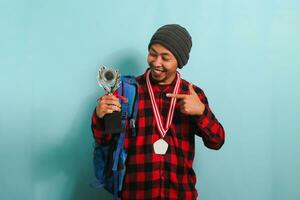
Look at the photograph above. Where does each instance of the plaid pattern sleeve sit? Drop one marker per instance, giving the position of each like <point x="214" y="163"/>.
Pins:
<point x="208" y="127"/>
<point x="97" y="129"/>
<point x="169" y="176"/>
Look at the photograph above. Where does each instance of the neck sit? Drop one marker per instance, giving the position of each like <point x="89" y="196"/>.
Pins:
<point x="164" y="82"/>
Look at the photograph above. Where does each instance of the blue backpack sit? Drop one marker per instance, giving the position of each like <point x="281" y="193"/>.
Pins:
<point x="109" y="160"/>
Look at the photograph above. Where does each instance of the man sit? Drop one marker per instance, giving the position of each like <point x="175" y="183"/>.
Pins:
<point x="171" y="112"/>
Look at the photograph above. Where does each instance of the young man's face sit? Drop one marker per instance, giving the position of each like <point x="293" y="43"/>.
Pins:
<point x="162" y="63"/>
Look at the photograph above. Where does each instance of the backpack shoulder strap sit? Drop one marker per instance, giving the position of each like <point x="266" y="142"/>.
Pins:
<point x="129" y="89"/>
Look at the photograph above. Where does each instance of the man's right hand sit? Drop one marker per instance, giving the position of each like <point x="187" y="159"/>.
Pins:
<point x="107" y="104"/>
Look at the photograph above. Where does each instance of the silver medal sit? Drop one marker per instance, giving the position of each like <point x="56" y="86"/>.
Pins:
<point x="160" y="147"/>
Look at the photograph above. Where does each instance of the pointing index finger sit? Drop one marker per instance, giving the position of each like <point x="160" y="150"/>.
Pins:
<point x="177" y="96"/>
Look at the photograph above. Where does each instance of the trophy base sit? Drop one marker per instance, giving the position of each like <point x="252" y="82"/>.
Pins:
<point x="113" y="123"/>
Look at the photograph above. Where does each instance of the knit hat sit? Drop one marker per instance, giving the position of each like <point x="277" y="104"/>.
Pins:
<point x="176" y="39"/>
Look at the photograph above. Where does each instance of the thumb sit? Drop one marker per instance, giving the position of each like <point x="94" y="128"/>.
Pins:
<point x="191" y="89"/>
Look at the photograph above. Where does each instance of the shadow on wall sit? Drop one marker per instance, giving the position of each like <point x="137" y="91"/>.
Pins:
<point x="72" y="156"/>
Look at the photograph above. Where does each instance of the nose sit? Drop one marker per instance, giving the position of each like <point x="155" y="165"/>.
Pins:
<point x="157" y="61"/>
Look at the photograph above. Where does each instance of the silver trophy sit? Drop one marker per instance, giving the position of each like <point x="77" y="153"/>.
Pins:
<point x="109" y="79"/>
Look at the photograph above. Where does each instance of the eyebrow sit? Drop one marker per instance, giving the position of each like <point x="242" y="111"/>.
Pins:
<point x="163" y="53"/>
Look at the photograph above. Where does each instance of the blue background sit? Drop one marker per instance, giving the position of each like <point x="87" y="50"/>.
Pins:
<point x="245" y="56"/>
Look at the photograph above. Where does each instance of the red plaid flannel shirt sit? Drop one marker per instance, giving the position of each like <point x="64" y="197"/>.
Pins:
<point x="170" y="176"/>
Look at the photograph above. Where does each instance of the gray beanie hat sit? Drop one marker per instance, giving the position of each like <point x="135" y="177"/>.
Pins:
<point x="176" y="39"/>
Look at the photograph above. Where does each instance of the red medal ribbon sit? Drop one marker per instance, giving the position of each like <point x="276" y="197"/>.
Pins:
<point x="157" y="115"/>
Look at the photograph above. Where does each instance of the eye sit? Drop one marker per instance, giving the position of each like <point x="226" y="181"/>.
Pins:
<point x="166" y="58"/>
<point x="152" y="54"/>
